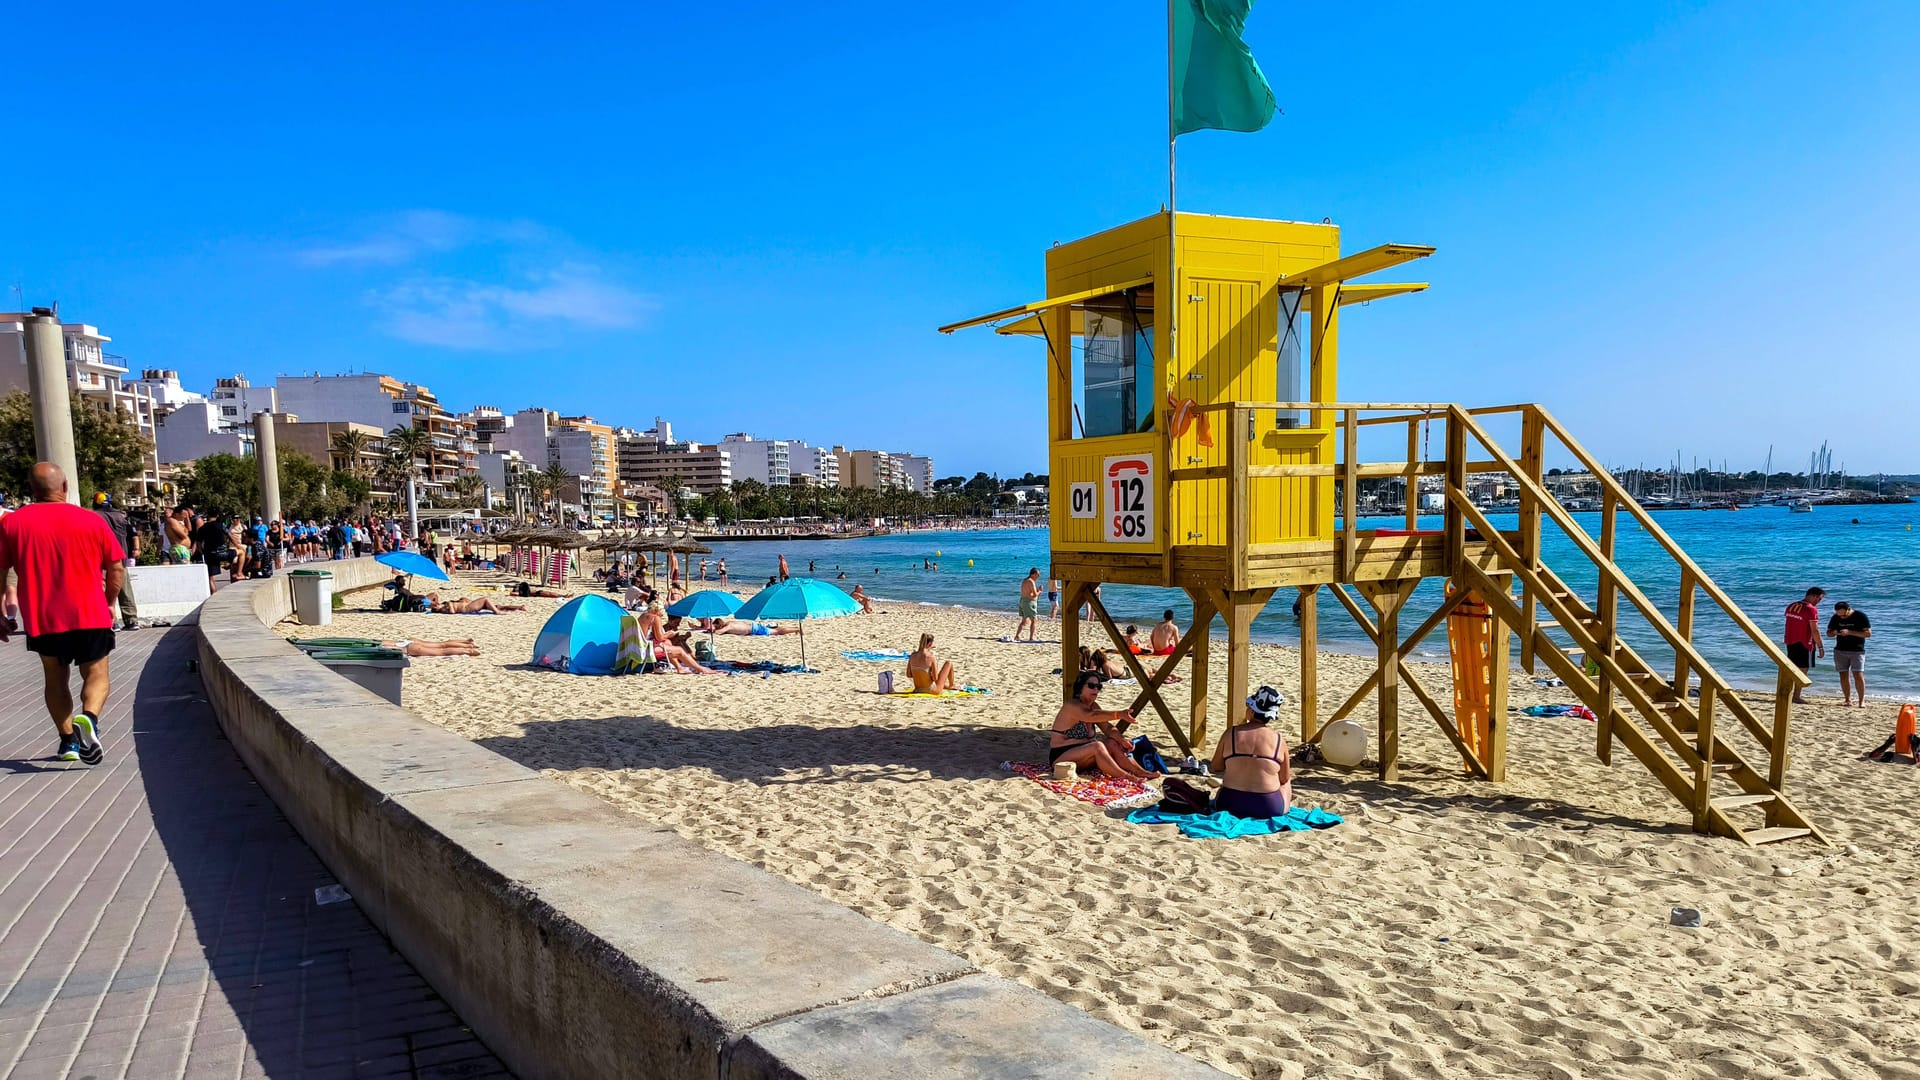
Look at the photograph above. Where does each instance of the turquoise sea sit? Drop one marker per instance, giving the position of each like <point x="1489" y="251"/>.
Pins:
<point x="1763" y="558"/>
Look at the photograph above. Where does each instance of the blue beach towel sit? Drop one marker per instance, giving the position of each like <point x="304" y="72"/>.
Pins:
<point x="876" y="655"/>
<point x="1224" y="826"/>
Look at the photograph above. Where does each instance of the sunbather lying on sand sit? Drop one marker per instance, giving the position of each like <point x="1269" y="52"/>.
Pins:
<point x="468" y="605"/>
<point x="452" y="647"/>
<point x="744" y="628"/>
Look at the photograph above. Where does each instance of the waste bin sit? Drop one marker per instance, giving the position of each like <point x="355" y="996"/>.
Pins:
<point x="376" y="669"/>
<point x="313" y="596"/>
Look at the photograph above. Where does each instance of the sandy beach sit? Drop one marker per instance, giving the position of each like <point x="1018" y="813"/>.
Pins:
<point x="1449" y="928"/>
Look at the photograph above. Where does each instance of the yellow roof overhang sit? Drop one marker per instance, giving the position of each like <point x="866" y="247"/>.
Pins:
<point x="1366" y="262"/>
<point x="1051" y="302"/>
<point x="1349" y="294"/>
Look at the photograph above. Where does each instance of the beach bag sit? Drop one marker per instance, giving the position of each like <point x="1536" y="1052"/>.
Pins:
<point x="886" y="682"/>
<point x="1148" y="755"/>
<point x="1180" y="797"/>
<point x="703" y="651"/>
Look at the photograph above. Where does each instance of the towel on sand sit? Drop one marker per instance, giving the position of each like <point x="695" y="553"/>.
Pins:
<point x="878" y="655"/>
<point x="1023" y="641"/>
<point x="1224" y="826"/>
<point x="1095" y="788"/>
<point x="964" y="691"/>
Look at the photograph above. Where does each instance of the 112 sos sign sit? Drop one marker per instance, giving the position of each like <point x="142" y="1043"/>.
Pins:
<point x="1128" y="494"/>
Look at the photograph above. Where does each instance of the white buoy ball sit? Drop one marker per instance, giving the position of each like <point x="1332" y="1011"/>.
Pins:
<point x="1345" y="743"/>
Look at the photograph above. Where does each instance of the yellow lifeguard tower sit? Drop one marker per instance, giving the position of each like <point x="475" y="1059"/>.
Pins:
<point x="1197" y="441"/>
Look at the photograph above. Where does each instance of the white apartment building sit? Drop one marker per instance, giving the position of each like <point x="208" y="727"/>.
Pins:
<point x="765" y="460"/>
<point x="917" y="469"/>
<point x="499" y="470"/>
<point x="583" y="455"/>
<point x="191" y="431"/>
<point x="93" y="375"/>
<point x="524" y="432"/>
<point x="238" y="401"/>
<point x="375" y="400"/>
<point x="816" y="463"/>
<point x="163" y="386"/>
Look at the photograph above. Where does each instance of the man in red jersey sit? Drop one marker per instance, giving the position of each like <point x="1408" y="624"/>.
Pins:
<point x="71" y="569"/>
<point x="1803" y="635"/>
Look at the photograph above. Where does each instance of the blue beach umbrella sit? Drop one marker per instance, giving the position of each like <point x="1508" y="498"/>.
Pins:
<point x="412" y="562"/>
<point x="798" y="599"/>
<point x="706" y="604"/>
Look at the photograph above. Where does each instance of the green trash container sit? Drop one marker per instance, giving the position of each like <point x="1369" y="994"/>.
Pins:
<point x="334" y="644"/>
<point x="312" y="596"/>
<point x="376" y="669"/>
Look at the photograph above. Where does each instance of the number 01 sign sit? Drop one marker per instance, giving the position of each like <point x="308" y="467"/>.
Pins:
<point x="1129" y="493"/>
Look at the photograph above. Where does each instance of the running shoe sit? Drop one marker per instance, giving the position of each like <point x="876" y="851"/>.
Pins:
<point x="69" y="750"/>
<point x="89" y="740"/>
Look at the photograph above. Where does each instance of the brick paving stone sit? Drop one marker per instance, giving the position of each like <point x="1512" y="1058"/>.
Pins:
<point x="157" y="915"/>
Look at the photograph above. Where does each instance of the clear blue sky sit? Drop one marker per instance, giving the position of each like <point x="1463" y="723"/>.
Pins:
<point x="752" y="216"/>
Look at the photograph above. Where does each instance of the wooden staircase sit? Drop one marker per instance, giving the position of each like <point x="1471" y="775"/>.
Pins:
<point x="1681" y="736"/>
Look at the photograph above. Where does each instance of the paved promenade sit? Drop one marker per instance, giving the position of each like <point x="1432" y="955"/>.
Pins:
<point x="157" y="913"/>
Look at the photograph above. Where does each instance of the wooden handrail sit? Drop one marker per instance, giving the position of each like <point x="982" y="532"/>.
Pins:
<point x="1767" y="645"/>
<point x="1587" y="548"/>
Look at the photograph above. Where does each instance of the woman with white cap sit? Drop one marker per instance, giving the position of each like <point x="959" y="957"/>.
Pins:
<point x="1251" y="761"/>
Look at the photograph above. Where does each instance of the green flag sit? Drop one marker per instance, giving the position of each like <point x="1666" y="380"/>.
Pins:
<point x="1216" y="82"/>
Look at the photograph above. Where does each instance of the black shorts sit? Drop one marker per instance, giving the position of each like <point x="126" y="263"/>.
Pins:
<point x="217" y="561"/>
<point x="73" y="646"/>
<point x="1801" y="656"/>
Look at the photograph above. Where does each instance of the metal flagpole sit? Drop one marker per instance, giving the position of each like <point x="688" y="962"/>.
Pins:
<point x="1167" y="289"/>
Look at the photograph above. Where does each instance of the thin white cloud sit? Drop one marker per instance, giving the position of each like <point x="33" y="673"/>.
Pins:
<point x="462" y="314"/>
<point x="416" y="234"/>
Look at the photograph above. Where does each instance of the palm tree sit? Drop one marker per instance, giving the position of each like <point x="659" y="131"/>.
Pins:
<point x="408" y="443"/>
<point x="554" y="479"/>
<point x="466" y="489"/>
<point x="351" y="445"/>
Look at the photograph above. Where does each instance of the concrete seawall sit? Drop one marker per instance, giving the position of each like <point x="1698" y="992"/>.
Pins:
<point x="581" y="942"/>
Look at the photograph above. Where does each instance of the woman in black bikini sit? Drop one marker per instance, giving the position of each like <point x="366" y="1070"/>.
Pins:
<point x="1251" y="761"/>
<point x="1081" y="732"/>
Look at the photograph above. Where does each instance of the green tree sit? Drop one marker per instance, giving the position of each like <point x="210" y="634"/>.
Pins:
<point x="108" y="448"/>
<point x="676" y="490"/>
<point x="223" y="484"/>
<point x="352" y="445"/>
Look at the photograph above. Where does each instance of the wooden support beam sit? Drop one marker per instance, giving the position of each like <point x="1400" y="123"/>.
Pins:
<point x="1607" y="607"/>
<point x="1197" y="677"/>
<point x="1350" y="493"/>
<point x="1309" y="662"/>
<point x="1070" y="597"/>
<point x="1782" y="721"/>
<point x="1413" y="683"/>
<point x="1239" y="497"/>
<point x="1240" y="610"/>
<point x="1683" y="625"/>
<point x="1413" y="640"/>
<point x="1412" y="507"/>
<point x="1456" y="527"/>
<point x="1500" y="667"/>
<point x="1140" y="673"/>
<point x="1386" y="598"/>
<point x="1703" y="770"/>
<point x="1202" y="616"/>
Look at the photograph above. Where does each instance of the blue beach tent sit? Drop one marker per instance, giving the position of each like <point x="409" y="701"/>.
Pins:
<point x="583" y="637"/>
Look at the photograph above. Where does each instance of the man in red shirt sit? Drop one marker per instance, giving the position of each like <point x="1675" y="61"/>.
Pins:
<point x="71" y="569"/>
<point x="1803" y="635"/>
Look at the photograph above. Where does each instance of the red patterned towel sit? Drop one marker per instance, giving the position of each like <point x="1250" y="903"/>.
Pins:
<point x="1096" y="788"/>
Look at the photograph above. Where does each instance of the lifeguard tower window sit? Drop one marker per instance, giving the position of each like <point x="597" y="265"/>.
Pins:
<point x="1295" y="352"/>
<point x="1117" y="373"/>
